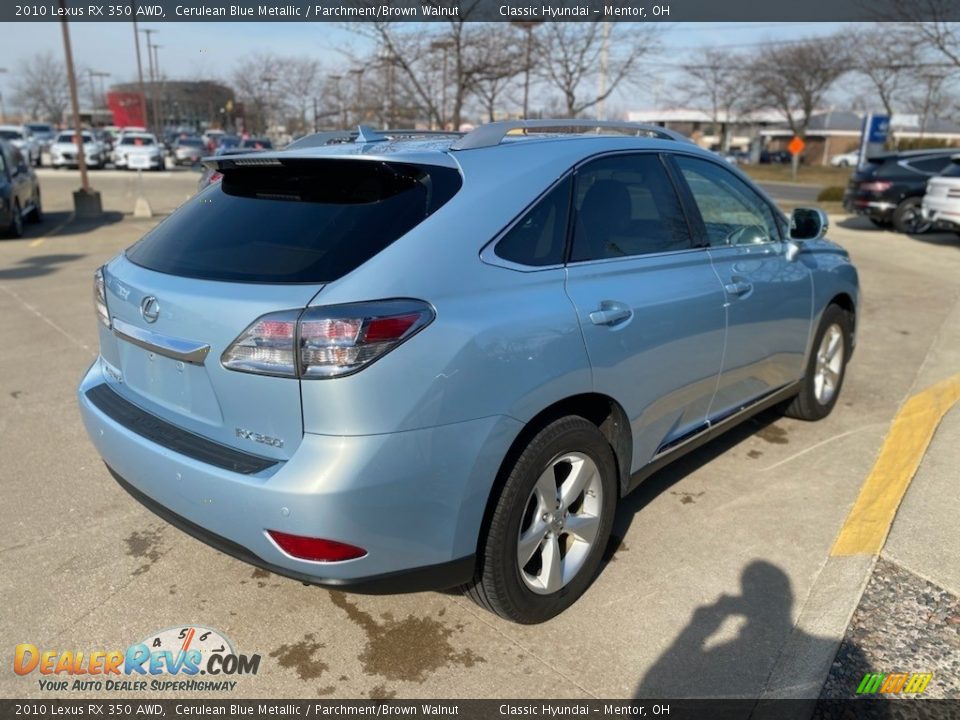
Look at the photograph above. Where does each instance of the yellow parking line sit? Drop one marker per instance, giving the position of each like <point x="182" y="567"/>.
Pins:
<point x="58" y="228"/>
<point x="866" y="528"/>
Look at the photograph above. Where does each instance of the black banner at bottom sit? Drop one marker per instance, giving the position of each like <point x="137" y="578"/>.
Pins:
<point x="913" y="709"/>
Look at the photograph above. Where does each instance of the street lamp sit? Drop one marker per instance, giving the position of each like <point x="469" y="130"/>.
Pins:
<point x="527" y="26"/>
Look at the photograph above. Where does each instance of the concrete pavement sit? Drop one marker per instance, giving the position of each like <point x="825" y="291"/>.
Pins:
<point x="716" y="576"/>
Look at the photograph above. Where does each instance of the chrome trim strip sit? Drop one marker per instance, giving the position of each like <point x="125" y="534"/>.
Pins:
<point x="176" y="348"/>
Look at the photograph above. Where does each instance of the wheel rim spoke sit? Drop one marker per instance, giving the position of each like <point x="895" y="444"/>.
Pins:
<point x="583" y="527"/>
<point x="552" y="572"/>
<point x="531" y="540"/>
<point x="546" y="489"/>
<point x="572" y="488"/>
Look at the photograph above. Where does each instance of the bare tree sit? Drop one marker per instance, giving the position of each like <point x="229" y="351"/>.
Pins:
<point x="795" y="78"/>
<point x="885" y="62"/>
<point x="572" y="55"/>
<point x="254" y="80"/>
<point x="299" y="83"/>
<point x="40" y="87"/>
<point x="713" y="83"/>
<point x="442" y="69"/>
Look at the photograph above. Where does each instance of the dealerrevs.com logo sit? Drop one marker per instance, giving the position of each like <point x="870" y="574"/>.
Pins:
<point x="172" y="659"/>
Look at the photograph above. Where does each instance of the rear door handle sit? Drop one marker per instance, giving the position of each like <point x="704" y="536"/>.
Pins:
<point x="738" y="288"/>
<point x="611" y="312"/>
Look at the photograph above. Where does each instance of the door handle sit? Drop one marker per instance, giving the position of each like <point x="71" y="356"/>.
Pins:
<point x="611" y="313"/>
<point x="738" y="288"/>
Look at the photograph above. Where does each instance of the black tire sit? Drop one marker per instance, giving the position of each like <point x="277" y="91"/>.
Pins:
<point x="36" y="214"/>
<point x="16" y="222"/>
<point x="806" y="405"/>
<point x="498" y="585"/>
<point x="907" y="218"/>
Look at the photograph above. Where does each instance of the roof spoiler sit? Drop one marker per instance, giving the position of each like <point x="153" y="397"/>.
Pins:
<point x="492" y="134"/>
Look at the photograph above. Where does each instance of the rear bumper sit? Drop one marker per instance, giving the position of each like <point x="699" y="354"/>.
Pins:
<point x="413" y="500"/>
<point x="942" y="212"/>
<point x="881" y="210"/>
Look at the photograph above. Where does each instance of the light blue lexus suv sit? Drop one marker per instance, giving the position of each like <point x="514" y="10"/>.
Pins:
<point x="399" y="361"/>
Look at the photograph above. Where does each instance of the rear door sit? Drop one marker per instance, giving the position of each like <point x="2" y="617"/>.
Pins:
<point x="768" y="299"/>
<point x="648" y="301"/>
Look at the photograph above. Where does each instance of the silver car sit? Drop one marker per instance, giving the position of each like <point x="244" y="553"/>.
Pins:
<point x="23" y="140"/>
<point x="408" y="361"/>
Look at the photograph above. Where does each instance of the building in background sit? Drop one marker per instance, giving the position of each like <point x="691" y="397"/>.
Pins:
<point x="197" y="104"/>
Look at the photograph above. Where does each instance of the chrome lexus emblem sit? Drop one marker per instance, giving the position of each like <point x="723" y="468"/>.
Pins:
<point x="150" y="309"/>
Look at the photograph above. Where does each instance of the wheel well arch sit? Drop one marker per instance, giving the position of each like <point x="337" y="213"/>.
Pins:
<point x="845" y="303"/>
<point x="603" y="411"/>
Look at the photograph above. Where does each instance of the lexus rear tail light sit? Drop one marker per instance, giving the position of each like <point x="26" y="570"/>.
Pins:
<point x="315" y="549"/>
<point x="325" y="342"/>
<point x="100" y="298"/>
<point x="215" y="176"/>
<point x="876" y="186"/>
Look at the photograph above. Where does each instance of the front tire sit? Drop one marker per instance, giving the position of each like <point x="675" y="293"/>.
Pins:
<point x="908" y="218"/>
<point x="550" y="525"/>
<point x="16" y="222"/>
<point x="826" y="367"/>
<point x="36" y="214"/>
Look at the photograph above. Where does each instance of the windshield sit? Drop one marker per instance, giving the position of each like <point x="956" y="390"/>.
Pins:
<point x="307" y="222"/>
<point x="40" y="128"/>
<point x="137" y="140"/>
<point x="953" y="169"/>
<point x="67" y="137"/>
<point x="11" y="134"/>
<point x="190" y="142"/>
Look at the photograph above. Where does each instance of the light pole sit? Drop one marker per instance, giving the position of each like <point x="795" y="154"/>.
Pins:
<point x="86" y="201"/>
<point x="157" y="97"/>
<point x="443" y="45"/>
<point x="153" y="87"/>
<point x="93" y="90"/>
<point x="341" y="109"/>
<point x="3" y="109"/>
<point x="528" y="27"/>
<point x="358" y="73"/>
<point x="143" y="93"/>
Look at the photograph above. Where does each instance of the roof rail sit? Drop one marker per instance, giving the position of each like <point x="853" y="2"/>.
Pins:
<point x="365" y="134"/>
<point x="492" y="134"/>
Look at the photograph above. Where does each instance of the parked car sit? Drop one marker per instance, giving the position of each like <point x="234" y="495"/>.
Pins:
<point x="256" y="143"/>
<point x="888" y="189"/>
<point x="19" y="191"/>
<point x="44" y="134"/>
<point x="188" y="150"/>
<point x="941" y="202"/>
<point x="63" y="152"/>
<point x="225" y="143"/>
<point x="21" y="138"/>
<point x="138" y="151"/>
<point x="847" y="159"/>
<point x="776" y="157"/>
<point x="211" y="138"/>
<point x="401" y="364"/>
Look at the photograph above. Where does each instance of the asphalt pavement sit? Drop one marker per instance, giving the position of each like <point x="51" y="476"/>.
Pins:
<point x="713" y="578"/>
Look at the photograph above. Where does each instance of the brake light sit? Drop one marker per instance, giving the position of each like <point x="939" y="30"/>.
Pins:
<point x="100" y="298"/>
<point x="325" y="342"/>
<point x="315" y="549"/>
<point x="215" y="177"/>
<point x="876" y="186"/>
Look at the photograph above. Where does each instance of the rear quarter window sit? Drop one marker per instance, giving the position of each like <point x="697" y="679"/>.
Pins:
<point x="309" y="221"/>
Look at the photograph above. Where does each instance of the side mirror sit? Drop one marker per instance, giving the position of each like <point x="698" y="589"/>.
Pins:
<point x="808" y="224"/>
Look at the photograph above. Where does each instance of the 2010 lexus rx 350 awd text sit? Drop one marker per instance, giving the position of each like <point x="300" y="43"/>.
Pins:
<point x="401" y="361"/>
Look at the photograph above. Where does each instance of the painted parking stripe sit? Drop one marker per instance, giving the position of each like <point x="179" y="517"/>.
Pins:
<point x="40" y="240"/>
<point x="866" y="528"/>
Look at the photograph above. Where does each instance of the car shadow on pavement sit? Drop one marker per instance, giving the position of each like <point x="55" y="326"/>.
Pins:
<point x="78" y="226"/>
<point x="37" y="266"/>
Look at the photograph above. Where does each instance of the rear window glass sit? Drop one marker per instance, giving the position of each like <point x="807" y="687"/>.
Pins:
<point x="307" y="222"/>
<point x="11" y="134"/>
<point x="71" y="137"/>
<point x="931" y="166"/>
<point x="137" y="140"/>
<point x="953" y="169"/>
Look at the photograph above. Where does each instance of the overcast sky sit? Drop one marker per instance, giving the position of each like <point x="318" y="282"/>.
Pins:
<point x="211" y="50"/>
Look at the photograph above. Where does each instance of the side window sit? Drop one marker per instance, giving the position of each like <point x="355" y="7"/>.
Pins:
<point x="539" y="237"/>
<point x="626" y="205"/>
<point x="930" y="166"/>
<point x="733" y="213"/>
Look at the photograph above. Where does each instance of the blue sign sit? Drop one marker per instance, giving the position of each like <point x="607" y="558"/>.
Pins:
<point x="879" y="129"/>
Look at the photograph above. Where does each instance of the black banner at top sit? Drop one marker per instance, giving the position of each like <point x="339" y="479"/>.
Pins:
<point x="485" y="11"/>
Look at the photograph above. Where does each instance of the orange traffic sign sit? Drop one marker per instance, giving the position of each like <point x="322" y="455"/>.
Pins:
<point x="796" y="146"/>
